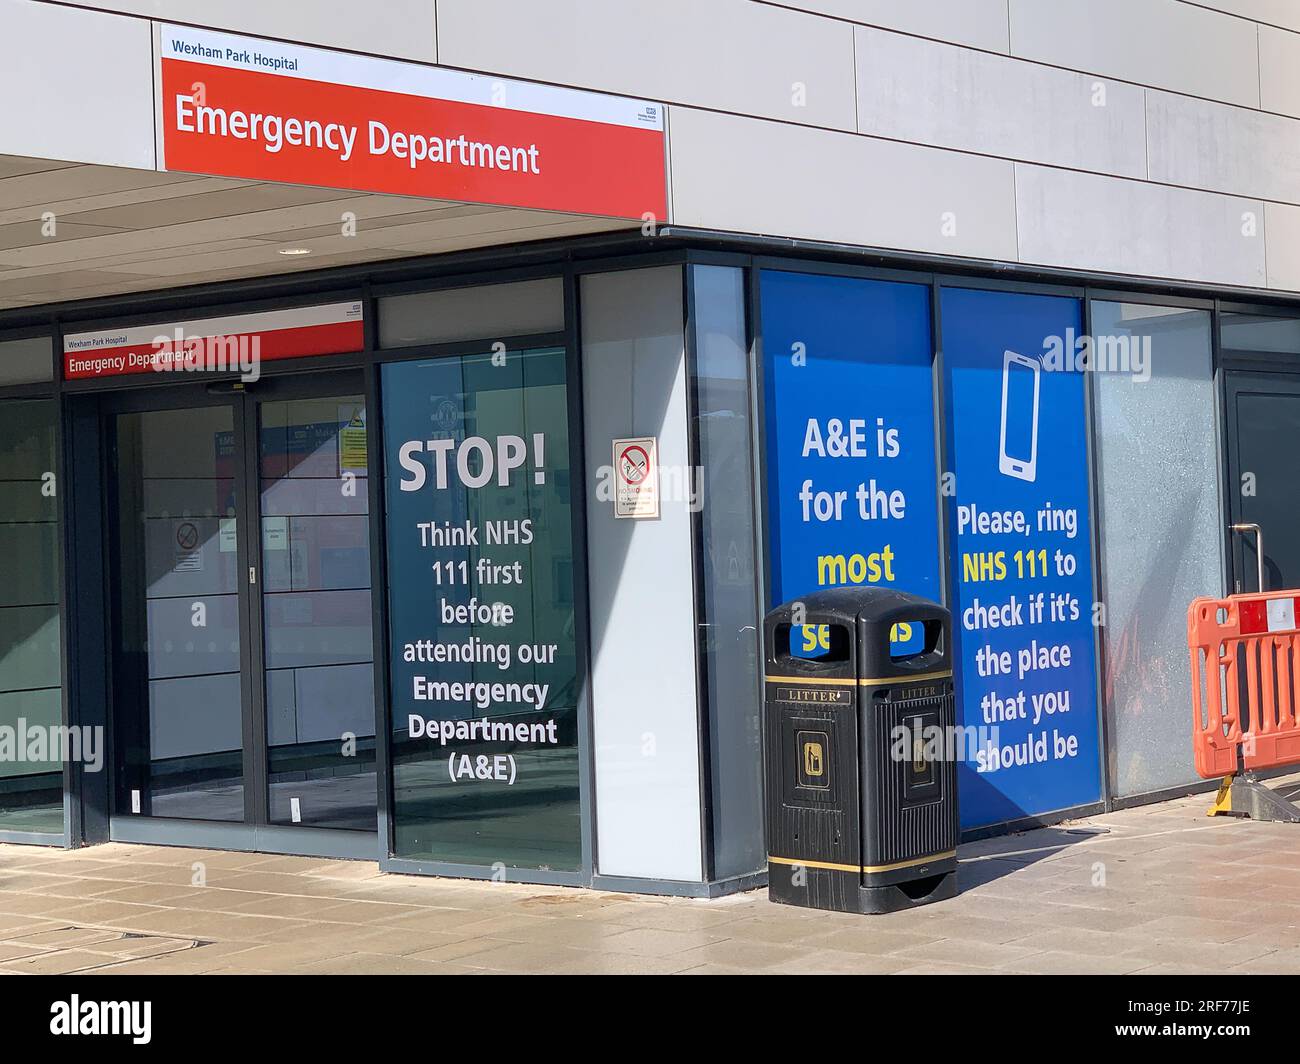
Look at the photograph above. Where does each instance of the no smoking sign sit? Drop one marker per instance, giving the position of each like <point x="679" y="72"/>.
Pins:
<point x="636" y="477"/>
<point x="188" y="553"/>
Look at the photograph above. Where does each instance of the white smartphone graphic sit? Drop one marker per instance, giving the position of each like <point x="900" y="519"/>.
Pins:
<point x="1019" y="439"/>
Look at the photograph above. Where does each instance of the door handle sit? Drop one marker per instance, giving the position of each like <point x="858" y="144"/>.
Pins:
<point x="252" y="575"/>
<point x="1248" y="526"/>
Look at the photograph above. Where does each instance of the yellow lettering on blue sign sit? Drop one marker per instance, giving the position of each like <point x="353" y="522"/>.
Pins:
<point x="816" y="636"/>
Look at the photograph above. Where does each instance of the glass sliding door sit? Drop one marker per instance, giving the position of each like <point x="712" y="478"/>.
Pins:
<point x="243" y="657"/>
<point x="315" y="592"/>
<point x="178" y="691"/>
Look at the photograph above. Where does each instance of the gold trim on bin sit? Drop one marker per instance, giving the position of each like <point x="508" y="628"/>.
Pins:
<point x="844" y="681"/>
<point x="863" y="868"/>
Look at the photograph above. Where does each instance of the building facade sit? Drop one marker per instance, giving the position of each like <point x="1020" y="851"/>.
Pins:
<point x="409" y="414"/>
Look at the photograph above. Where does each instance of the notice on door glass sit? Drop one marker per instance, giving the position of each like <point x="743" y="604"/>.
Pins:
<point x="353" y="450"/>
<point x="188" y="553"/>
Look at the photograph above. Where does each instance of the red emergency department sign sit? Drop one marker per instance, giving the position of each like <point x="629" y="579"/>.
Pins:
<point x="235" y="344"/>
<point x="247" y="108"/>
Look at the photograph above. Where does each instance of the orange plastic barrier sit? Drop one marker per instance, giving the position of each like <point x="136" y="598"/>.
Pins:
<point x="1245" y="682"/>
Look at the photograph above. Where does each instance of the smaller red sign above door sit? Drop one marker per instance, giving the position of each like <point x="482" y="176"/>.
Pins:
<point x="237" y="344"/>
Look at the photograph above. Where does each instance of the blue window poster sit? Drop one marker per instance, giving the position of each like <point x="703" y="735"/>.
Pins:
<point x="850" y="449"/>
<point x="1021" y="545"/>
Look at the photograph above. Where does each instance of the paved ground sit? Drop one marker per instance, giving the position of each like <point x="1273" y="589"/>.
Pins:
<point x="1153" y="890"/>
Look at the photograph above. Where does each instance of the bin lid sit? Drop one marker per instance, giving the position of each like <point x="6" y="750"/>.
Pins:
<point x="869" y="614"/>
<point x="867" y="603"/>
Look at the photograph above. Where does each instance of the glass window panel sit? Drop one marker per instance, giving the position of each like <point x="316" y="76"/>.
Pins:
<point x="1161" y="532"/>
<point x="730" y="633"/>
<point x="193" y="635"/>
<point x="31" y="792"/>
<point x="316" y="610"/>
<point x="31" y="550"/>
<point x="341" y="699"/>
<point x="177" y="707"/>
<point x="519" y="308"/>
<point x="190" y="556"/>
<point x="317" y="628"/>
<point x="21" y="505"/>
<point x="288" y="497"/>
<point x="30" y="636"/>
<point x="510" y="793"/>
<point x="195" y="735"/>
<point x="1263" y="409"/>
<point x="1259" y="334"/>
<point x="28" y="361"/>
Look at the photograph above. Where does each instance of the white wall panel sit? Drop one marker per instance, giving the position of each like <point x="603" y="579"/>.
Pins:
<point x="922" y="91"/>
<point x="399" y="28"/>
<point x="642" y="677"/>
<point x="75" y="85"/>
<point x="734" y="55"/>
<point x="1279" y="70"/>
<point x="1164" y="43"/>
<point x="768" y="96"/>
<point x="1089" y="222"/>
<point x="1276" y="12"/>
<point x="976" y="23"/>
<point x="1283" y="228"/>
<point x="1198" y="144"/>
<point x="766" y="177"/>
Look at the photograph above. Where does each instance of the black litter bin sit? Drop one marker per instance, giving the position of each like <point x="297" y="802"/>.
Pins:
<point x="861" y="777"/>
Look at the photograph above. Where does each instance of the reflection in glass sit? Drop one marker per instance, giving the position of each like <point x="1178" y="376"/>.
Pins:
<point x="320" y="703"/>
<point x="729" y="632"/>
<point x="31" y="792"/>
<point x="1259" y="334"/>
<point x="26" y="361"/>
<point x="177" y="704"/>
<point x="531" y="818"/>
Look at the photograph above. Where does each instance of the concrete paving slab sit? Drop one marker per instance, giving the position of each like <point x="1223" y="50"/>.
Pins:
<point x="1157" y="890"/>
